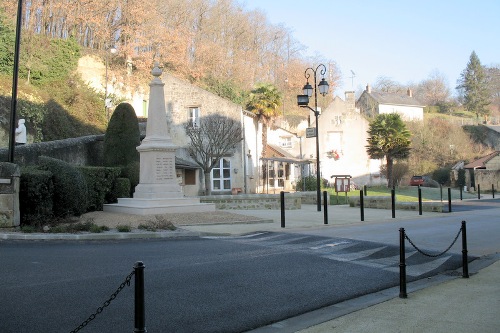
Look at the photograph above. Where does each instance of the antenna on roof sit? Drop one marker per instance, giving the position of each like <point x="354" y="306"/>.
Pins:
<point x="353" y="75"/>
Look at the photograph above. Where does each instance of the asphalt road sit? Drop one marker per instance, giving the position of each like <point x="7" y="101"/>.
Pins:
<point x="228" y="284"/>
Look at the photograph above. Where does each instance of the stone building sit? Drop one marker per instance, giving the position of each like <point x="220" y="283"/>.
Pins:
<point x="187" y="103"/>
<point x="342" y="140"/>
<point x="372" y="103"/>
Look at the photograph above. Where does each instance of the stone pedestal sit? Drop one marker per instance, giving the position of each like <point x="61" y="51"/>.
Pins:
<point x="158" y="191"/>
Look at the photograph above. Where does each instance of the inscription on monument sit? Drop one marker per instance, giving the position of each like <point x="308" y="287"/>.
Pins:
<point x="164" y="168"/>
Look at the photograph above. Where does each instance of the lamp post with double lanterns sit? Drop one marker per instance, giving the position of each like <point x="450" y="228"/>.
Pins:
<point x="303" y="101"/>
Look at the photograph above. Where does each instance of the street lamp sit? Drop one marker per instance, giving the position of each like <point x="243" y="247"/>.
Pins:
<point x="303" y="101"/>
<point x="107" y="100"/>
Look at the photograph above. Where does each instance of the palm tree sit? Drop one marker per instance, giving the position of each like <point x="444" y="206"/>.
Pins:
<point x="389" y="138"/>
<point x="264" y="101"/>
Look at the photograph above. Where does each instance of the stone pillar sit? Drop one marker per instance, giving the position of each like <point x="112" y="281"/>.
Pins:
<point x="9" y="195"/>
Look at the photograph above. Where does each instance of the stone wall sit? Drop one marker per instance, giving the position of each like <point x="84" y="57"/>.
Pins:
<point x="87" y="150"/>
<point x="253" y="201"/>
<point x="486" y="178"/>
<point x="384" y="202"/>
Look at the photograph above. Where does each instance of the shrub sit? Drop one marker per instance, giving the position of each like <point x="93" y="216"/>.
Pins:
<point x="123" y="228"/>
<point x="442" y="175"/>
<point x="131" y="171"/>
<point x="461" y="178"/>
<point x="100" y="182"/>
<point x="121" y="140"/>
<point x="310" y="183"/>
<point x="70" y="187"/>
<point x="121" y="189"/>
<point x="35" y="196"/>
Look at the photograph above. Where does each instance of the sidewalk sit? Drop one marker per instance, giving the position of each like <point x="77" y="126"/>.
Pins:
<point x="458" y="305"/>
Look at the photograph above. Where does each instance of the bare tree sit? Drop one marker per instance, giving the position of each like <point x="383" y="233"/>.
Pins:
<point x="387" y="85"/>
<point x="433" y="90"/>
<point x="214" y="138"/>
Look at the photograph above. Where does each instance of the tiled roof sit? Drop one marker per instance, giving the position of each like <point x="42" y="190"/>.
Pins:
<point x="395" y="99"/>
<point x="481" y="162"/>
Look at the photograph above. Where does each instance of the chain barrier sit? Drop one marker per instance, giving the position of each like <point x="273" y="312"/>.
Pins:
<point x="433" y="255"/>
<point x="105" y="304"/>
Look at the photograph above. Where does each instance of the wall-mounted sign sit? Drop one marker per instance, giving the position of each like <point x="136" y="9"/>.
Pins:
<point x="311" y="132"/>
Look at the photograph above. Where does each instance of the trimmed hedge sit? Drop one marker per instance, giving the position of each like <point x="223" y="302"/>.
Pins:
<point x="70" y="187"/>
<point x="121" y="189"/>
<point x="36" y="190"/>
<point x="100" y="181"/>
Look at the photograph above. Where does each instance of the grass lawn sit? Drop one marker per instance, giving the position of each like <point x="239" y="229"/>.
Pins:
<point x="403" y="193"/>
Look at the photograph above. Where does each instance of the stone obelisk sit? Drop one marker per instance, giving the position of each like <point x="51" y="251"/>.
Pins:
<point x="158" y="190"/>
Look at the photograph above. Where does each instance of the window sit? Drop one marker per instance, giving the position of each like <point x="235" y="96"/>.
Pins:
<point x="194" y="116"/>
<point x="221" y="176"/>
<point x="286" y="141"/>
<point x="337" y="120"/>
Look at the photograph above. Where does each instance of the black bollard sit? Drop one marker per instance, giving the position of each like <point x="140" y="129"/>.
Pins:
<point x="282" y="202"/>
<point x="465" y="262"/>
<point x="441" y="191"/>
<point x="361" y="205"/>
<point x="402" y="264"/>
<point x="460" y="192"/>
<point x="140" y="313"/>
<point x="325" y="207"/>
<point x="393" y="202"/>
<point x="449" y="200"/>
<point x="478" y="191"/>
<point x="419" y="201"/>
<point x="493" y="190"/>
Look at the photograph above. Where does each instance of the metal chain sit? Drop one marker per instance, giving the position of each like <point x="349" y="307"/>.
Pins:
<point x="105" y="304"/>
<point x="433" y="255"/>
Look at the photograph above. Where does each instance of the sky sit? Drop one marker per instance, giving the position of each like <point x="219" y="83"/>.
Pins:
<point x="406" y="41"/>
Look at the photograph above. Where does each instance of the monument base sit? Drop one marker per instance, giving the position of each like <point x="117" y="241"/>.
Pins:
<point x="138" y="206"/>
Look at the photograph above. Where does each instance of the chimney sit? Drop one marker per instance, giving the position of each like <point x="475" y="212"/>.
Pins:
<point x="409" y="93"/>
<point x="350" y="100"/>
<point x="368" y="88"/>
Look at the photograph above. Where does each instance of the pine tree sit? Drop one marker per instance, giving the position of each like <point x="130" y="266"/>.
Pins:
<point x="473" y="84"/>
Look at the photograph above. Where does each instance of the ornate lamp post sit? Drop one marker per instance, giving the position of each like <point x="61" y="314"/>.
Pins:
<point x="303" y="101"/>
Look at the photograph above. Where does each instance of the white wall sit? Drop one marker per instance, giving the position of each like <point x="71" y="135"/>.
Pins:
<point x="406" y="112"/>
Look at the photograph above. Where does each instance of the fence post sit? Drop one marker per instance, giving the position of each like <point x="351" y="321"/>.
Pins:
<point x="361" y="205"/>
<point x="419" y="201"/>
<point x="282" y="204"/>
<point x="393" y="202"/>
<point x="478" y="191"/>
<point x="449" y="200"/>
<point x="441" y="191"/>
<point x="402" y="264"/>
<point x="365" y="190"/>
<point x="465" y="262"/>
<point x="325" y="207"/>
<point x="140" y="313"/>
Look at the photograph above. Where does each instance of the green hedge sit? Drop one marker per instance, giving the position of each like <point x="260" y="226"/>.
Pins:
<point x="121" y="189"/>
<point x="100" y="181"/>
<point x="70" y="187"/>
<point x="36" y="190"/>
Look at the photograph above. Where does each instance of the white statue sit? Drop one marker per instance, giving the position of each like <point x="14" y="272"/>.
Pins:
<point x="21" y="132"/>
